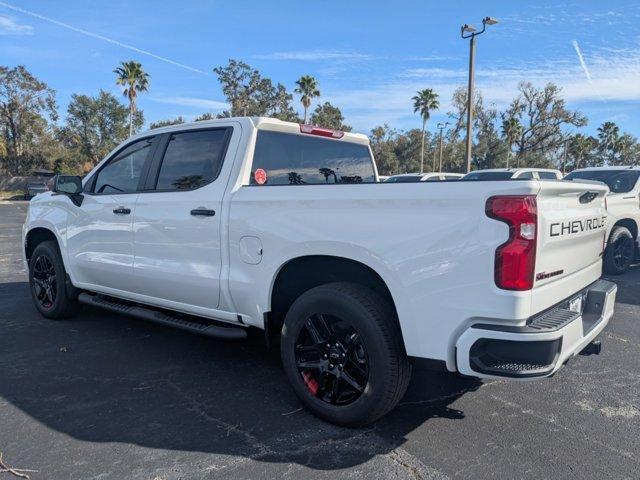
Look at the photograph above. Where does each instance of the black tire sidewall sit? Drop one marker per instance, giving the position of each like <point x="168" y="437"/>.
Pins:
<point x="609" y="261"/>
<point x="332" y="302"/>
<point x="60" y="307"/>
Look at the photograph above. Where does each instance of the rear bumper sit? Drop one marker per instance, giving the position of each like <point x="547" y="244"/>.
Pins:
<point x="541" y="346"/>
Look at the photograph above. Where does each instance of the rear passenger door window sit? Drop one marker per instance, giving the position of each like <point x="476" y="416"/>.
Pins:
<point x="526" y="176"/>
<point x="122" y="173"/>
<point x="290" y="159"/>
<point x="192" y="159"/>
<point x="547" y="175"/>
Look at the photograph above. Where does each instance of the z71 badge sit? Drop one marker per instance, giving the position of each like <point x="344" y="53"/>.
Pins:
<point x="545" y="275"/>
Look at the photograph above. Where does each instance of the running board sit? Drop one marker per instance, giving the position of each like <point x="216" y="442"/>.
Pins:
<point x="209" y="330"/>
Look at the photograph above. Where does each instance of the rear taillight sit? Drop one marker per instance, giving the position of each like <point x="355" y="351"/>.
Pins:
<point x="516" y="258"/>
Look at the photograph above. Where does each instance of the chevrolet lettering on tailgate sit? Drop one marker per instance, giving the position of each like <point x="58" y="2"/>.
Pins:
<point x="576" y="226"/>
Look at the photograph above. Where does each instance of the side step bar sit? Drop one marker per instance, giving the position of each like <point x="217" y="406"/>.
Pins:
<point x="209" y="330"/>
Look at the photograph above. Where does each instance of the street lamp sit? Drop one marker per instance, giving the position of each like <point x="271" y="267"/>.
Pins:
<point x="469" y="31"/>
<point x="441" y="126"/>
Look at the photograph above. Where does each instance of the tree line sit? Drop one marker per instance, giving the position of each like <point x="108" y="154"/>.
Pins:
<point x="536" y="129"/>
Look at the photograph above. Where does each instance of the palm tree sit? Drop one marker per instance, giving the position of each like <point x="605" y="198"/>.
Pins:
<point x="581" y="145"/>
<point x="307" y="87"/>
<point x="608" y="134"/>
<point x="327" y="172"/>
<point x="511" y="130"/>
<point x="134" y="79"/>
<point x="424" y="102"/>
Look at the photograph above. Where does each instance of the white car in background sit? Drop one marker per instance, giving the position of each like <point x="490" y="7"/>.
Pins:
<point x="623" y="209"/>
<point x="423" y="177"/>
<point x="514" y="174"/>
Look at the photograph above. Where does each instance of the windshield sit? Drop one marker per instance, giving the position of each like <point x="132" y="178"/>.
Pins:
<point x="618" y="181"/>
<point x="488" y="176"/>
<point x="404" y="179"/>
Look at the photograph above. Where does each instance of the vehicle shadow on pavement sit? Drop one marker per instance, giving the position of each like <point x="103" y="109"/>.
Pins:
<point x="101" y="377"/>
<point x="628" y="285"/>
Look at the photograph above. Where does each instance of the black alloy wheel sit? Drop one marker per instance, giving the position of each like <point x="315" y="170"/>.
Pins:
<point x="52" y="295"/>
<point x="45" y="282"/>
<point x="623" y="252"/>
<point x="620" y="251"/>
<point x="331" y="359"/>
<point x="342" y="351"/>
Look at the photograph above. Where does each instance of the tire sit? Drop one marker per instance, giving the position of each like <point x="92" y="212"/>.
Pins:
<point x="376" y="348"/>
<point x="47" y="270"/>
<point x="620" y="251"/>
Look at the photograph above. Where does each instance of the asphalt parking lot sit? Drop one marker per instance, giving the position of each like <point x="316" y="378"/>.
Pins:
<point x="105" y="396"/>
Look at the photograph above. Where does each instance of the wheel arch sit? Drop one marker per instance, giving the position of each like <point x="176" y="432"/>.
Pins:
<point x="301" y="273"/>
<point x="628" y="223"/>
<point x="36" y="236"/>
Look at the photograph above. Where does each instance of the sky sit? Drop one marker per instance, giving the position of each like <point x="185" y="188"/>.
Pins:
<point x="369" y="57"/>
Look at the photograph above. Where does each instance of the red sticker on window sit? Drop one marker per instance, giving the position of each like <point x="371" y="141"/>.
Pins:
<point x="260" y="176"/>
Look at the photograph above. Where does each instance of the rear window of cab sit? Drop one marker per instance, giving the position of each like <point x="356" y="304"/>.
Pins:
<point x="618" y="181"/>
<point x="292" y="159"/>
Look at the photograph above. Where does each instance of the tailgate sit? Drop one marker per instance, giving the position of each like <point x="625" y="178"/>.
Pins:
<point x="571" y="233"/>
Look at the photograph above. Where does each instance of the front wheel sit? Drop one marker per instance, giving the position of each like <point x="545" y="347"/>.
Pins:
<point x="342" y="351"/>
<point x="620" y="251"/>
<point x="47" y="281"/>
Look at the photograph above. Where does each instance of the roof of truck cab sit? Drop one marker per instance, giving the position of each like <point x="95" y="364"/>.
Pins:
<point x="514" y="170"/>
<point x="407" y="175"/>
<point x="587" y="169"/>
<point x="261" y="123"/>
<point x="426" y="174"/>
<point x="442" y="173"/>
<point x="273" y="124"/>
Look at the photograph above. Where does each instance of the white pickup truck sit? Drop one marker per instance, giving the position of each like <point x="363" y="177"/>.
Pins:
<point x="623" y="210"/>
<point x="226" y="225"/>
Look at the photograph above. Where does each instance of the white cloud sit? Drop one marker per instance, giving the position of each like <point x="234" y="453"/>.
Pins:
<point x="570" y="15"/>
<point x="313" y="55"/>
<point x="614" y="77"/>
<point x="8" y="26"/>
<point x="193" y="102"/>
<point x="428" y="58"/>
<point x="432" y="73"/>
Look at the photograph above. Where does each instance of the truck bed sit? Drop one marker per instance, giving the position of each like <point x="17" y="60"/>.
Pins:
<point x="432" y="244"/>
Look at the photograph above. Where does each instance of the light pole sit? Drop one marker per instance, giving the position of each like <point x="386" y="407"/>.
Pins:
<point x="564" y="155"/>
<point x="469" y="31"/>
<point x="435" y="151"/>
<point x="441" y="126"/>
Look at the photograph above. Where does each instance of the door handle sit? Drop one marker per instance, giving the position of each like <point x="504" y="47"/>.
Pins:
<point x="122" y="211"/>
<point x="202" y="212"/>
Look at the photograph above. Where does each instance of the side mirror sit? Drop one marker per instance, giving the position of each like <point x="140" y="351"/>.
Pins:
<point x="67" y="184"/>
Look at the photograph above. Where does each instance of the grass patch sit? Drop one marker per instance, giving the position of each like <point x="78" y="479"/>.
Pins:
<point x="11" y="194"/>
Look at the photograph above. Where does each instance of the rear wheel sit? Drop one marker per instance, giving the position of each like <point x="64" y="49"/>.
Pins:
<point x="47" y="281"/>
<point x="343" y="354"/>
<point x="620" y="251"/>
